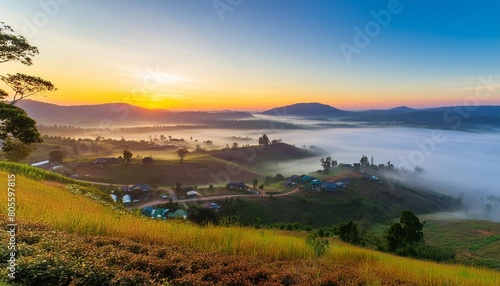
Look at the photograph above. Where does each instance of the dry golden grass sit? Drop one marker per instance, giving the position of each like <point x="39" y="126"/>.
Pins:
<point x="79" y="214"/>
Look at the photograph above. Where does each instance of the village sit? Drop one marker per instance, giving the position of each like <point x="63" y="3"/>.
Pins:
<point x="172" y="202"/>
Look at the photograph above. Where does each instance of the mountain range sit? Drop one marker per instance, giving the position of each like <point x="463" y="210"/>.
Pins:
<point x="451" y="117"/>
<point x="85" y="115"/>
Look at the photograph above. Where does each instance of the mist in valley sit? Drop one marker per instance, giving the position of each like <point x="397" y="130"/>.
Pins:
<point x="459" y="164"/>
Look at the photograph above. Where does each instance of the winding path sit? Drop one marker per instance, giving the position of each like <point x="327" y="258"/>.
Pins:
<point x="208" y="198"/>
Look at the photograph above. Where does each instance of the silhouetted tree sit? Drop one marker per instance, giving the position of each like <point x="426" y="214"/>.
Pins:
<point x="364" y="161"/>
<point x="181" y="153"/>
<point x="127" y="156"/>
<point x="26" y="85"/>
<point x="389" y="165"/>
<point x="148" y="161"/>
<point x="15" y="125"/>
<point x="326" y="163"/>
<point x="264" y="140"/>
<point x="14" y="47"/>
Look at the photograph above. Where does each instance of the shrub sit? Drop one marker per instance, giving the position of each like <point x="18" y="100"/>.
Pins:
<point x="201" y="216"/>
<point x="348" y="232"/>
<point x="320" y="245"/>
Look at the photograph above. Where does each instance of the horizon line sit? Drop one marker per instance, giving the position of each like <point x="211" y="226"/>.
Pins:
<point x="254" y="110"/>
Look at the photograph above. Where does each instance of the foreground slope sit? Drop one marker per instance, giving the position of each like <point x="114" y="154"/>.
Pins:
<point x="68" y="235"/>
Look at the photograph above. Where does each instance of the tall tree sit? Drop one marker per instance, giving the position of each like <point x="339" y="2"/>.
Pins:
<point x="395" y="236"/>
<point x="412" y="227"/>
<point x="14" y="47"/>
<point x="181" y="153"/>
<point x="326" y="163"/>
<point x="15" y="125"/>
<point x="407" y="231"/>
<point x="264" y="140"/>
<point x="26" y="85"/>
<point x="364" y="161"/>
<point x="127" y="155"/>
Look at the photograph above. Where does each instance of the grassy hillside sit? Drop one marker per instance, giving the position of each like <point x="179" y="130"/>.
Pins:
<point x="476" y="242"/>
<point x="65" y="237"/>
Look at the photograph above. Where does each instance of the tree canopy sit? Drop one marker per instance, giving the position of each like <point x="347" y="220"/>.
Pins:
<point x="264" y="140"/>
<point x="16" y="123"/>
<point x="349" y="232"/>
<point x="181" y="153"/>
<point x="16" y="128"/>
<point x="407" y="231"/>
<point x="127" y="155"/>
<point x="14" y="47"/>
<point x="147" y="161"/>
<point x="16" y="151"/>
<point x="364" y="161"/>
<point x="26" y="85"/>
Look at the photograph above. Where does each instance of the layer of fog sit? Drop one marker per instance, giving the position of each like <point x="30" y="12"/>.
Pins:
<point x="455" y="163"/>
<point x="459" y="164"/>
<point x="292" y="119"/>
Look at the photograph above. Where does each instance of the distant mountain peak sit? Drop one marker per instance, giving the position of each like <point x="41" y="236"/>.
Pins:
<point x="402" y="108"/>
<point x="307" y="109"/>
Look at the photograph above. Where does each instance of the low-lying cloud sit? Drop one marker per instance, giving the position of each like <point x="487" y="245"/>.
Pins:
<point x="455" y="163"/>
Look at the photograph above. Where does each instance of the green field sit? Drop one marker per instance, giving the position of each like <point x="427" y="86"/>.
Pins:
<point x="476" y="242"/>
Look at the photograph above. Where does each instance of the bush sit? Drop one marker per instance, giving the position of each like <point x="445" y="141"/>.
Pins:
<point x="201" y="216"/>
<point x="428" y="252"/>
<point x="348" y="232"/>
<point x="320" y="245"/>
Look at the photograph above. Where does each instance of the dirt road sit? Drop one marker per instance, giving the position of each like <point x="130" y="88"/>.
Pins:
<point x="174" y="197"/>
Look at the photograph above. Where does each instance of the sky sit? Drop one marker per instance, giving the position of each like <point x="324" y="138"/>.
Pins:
<point x="258" y="54"/>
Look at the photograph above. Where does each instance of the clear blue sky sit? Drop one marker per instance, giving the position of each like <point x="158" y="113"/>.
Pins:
<point x="274" y="52"/>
